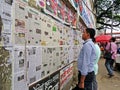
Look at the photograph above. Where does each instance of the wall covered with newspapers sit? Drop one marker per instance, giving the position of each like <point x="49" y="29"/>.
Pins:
<point x="39" y="41"/>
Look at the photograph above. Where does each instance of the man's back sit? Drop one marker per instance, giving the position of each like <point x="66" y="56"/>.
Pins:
<point x="98" y="53"/>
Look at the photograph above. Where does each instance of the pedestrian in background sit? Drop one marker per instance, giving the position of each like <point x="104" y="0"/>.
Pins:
<point x="111" y="47"/>
<point x="86" y="61"/>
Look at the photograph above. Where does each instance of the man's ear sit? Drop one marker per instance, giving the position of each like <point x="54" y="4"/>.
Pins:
<point x="88" y="34"/>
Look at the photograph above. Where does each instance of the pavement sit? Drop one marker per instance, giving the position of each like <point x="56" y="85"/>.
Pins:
<point x="104" y="82"/>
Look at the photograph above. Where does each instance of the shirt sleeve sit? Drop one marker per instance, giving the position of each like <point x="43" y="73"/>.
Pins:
<point x="114" y="50"/>
<point x="86" y="58"/>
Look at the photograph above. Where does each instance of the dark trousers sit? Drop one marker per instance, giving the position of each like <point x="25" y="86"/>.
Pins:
<point x="108" y="66"/>
<point x="95" y="85"/>
<point x="112" y="63"/>
<point x="88" y="84"/>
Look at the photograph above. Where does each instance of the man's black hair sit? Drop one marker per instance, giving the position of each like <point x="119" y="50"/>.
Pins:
<point x="113" y="39"/>
<point x="91" y="31"/>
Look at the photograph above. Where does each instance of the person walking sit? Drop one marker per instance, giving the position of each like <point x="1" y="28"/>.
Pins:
<point x="86" y="61"/>
<point x="111" y="47"/>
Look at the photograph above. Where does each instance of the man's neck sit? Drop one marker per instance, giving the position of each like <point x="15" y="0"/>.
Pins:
<point x="87" y="39"/>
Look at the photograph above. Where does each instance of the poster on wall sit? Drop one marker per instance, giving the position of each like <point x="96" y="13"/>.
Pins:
<point x="70" y="54"/>
<point x="20" y="82"/>
<point x="67" y="29"/>
<point x="70" y="37"/>
<point x="34" y="61"/>
<point x="6" y="24"/>
<point x="65" y="75"/>
<point x="32" y="3"/>
<point x="47" y="61"/>
<point x="9" y="1"/>
<point x="6" y="9"/>
<point x="65" y="56"/>
<point x="61" y="57"/>
<point x="20" y="71"/>
<point x="37" y="4"/>
<point x="56" y="59"/>
<point x="64" y="35"/>
<point x="74" y="3"/>
<point x="51" y="7"/>
<point x="34" y="29"/>
<point x="74" y="19"/>
<point x="19" y="57"/>
<point x="49" y="83"/>
<point x="47" y="27"/>
<point x="83" y="12"/>
<point x="20" y="23"/>
<point x="67" y="14"/>
<point x="60" y="9"/>
<point x="80" y="6"/>
<point x="60" y="31"/>
<point x="76" y="50"/>
<point x="41" y="3"/>
<point x="55" y="34"/>
<point x="90" y="16"/>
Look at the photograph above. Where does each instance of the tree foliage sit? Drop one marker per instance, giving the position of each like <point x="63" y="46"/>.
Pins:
<point x="107" y="13"/>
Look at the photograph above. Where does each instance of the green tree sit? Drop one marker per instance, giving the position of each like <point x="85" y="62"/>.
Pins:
<point x="107" y="14"/>
<point x="5" y="70"/>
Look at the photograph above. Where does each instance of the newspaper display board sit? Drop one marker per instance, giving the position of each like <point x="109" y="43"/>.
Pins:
<point x="37" y="44"/>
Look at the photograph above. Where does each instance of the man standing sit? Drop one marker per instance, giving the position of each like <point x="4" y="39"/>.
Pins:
<point x="98" y="54"/>
<point x="86" y="61"/>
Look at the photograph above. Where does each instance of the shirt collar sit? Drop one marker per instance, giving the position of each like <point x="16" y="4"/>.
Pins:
<point x="87" y="40"/>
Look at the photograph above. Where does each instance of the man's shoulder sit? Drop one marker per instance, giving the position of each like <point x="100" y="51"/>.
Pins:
<point x="113" y="43"/>
<point x="89" y="44"/>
